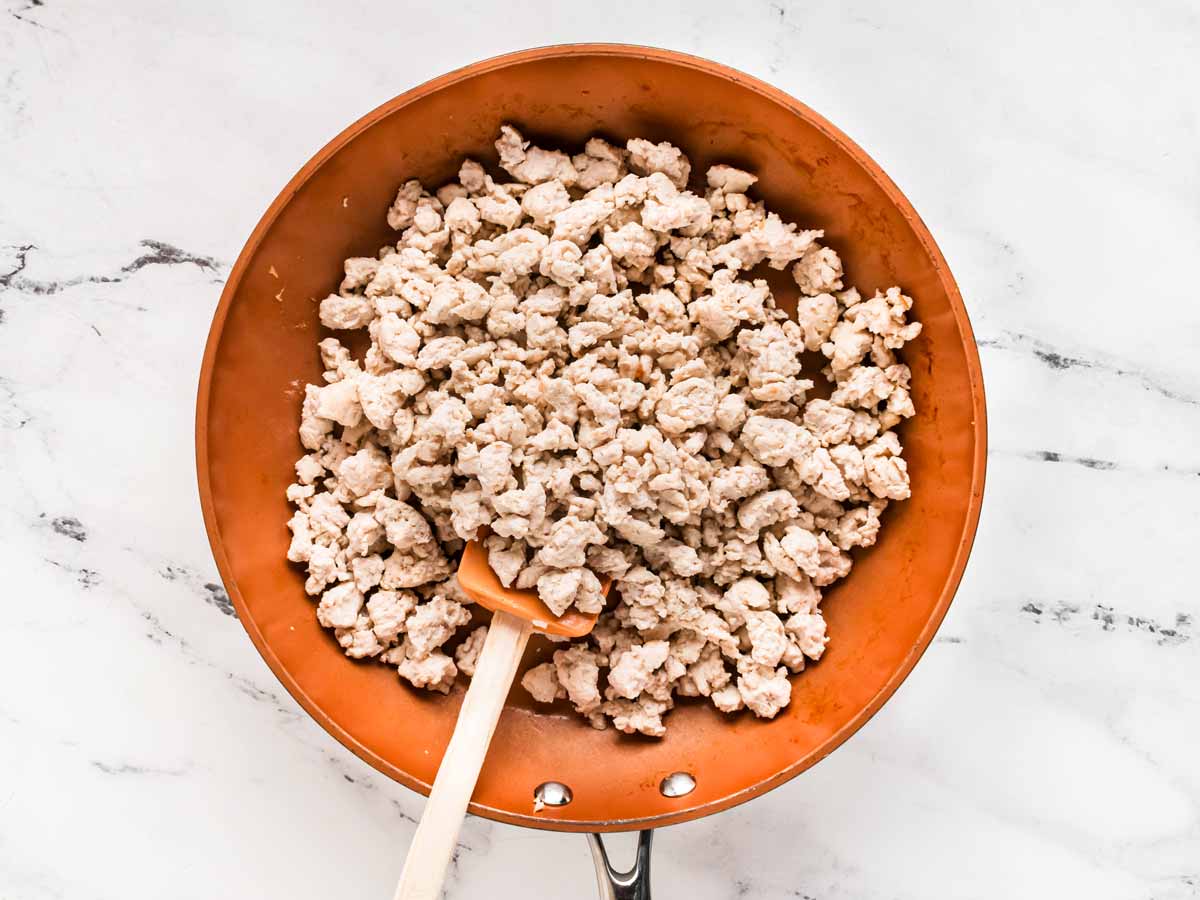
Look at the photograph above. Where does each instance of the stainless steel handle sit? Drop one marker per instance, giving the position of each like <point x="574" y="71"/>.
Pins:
<point x="631" y="885"/>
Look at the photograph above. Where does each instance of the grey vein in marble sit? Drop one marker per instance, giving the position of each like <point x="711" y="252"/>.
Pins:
<point x="1091" y="462"/>
<point x="212" y="593"/>
<point x="27" y="6"/>
<point x="1060" y="360"/>
<point x="88" y="578"/>
<point x="158" y="254"/>
<point x="69" y="527"/>
<point x="1107" y="619"/>
<point x="134" y="769"/>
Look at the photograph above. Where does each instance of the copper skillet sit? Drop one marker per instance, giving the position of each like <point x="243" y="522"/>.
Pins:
<point x="260" y="353"/>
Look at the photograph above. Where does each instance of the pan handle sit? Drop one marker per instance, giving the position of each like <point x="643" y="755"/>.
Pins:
<point x="631" y="885"/>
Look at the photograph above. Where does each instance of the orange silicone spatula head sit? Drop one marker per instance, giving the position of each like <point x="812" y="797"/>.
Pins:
<point x="480" y="583"/>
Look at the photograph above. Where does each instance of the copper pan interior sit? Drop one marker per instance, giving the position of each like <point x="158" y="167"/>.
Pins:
<point x="261" y="351"/>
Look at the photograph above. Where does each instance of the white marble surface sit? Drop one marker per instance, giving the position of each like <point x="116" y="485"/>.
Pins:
<point x="1045" y="747"/>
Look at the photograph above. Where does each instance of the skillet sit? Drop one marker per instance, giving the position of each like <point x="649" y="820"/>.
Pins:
<point x="261" y="352"/>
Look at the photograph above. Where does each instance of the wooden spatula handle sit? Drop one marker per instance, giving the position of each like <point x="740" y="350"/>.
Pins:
<point x="433" y="844"/>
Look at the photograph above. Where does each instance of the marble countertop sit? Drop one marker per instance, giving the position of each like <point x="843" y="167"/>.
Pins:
<point x="1046" y="746"/>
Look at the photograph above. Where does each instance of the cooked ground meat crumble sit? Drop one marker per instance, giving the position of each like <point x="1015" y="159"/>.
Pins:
<point x="578" y="364"/>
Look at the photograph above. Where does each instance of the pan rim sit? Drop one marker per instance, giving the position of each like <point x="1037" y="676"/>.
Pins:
<point x="895" y="196"/>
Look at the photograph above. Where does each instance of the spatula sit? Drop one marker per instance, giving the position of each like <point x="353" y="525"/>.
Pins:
<point x="515" y="615"/>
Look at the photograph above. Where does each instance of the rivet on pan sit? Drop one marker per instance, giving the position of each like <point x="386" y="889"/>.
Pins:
<point x="552" y="793"/>
<point x="677" y="784"/>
